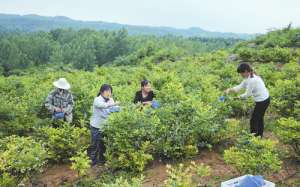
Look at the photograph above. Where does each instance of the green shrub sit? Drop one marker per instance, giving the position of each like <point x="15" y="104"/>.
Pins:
<point x="64" y="142"/>
<point x="110" y="179"/>
<point x="181" y="175"/>
<point x="81" y="163"/>
<point x="245" y="54"/>
<point x="172" y="91"/>
<point x="201" y="169"/>
<point x="134" y="182"/>
<point x="291" y="70"/>
<point x="129" y="134"/>
<point x="185" y="126"/>
<point x="20" y="157"/>
<point x="253" y="155"/>
<point x="276" y="54"/>
<point x="297" y="110"/>
<point x="288" y="131"/>
<point x="231" y="130"/>
<point x="135" y="136"/>
<point x="175" y="136"/>
<point x="285" y="93"/>
<point x="7" y="180"/>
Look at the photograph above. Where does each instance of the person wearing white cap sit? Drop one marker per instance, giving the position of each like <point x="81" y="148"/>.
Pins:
<point x="60" y="101"/>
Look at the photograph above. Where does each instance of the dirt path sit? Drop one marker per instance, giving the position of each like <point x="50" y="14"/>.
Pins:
<point x="55" y="176"/>
<point x="155" y="174"/>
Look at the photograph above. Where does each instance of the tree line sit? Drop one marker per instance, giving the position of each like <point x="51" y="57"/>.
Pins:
<point x="84" y="49"/>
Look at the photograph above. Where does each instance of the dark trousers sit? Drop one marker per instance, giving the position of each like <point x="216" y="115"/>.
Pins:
<point x="257" y="119"/>
<point x="97" y="148"/>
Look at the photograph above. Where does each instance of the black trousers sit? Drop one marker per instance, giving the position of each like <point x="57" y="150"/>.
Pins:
<point x="257" y="119"/>
<point x="97" y="148"/>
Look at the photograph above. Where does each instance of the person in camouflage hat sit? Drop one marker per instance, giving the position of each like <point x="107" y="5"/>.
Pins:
<point x="60" y="101"/>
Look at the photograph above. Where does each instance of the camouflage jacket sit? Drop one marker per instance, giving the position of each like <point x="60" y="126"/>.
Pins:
<point x="64" y="101"/>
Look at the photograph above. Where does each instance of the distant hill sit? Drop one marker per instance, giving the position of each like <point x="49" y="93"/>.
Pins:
<point x="32" y="23"/>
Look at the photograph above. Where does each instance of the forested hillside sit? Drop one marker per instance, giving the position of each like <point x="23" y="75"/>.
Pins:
<point x="86" y="49"/>
<point x="35" y="23"/>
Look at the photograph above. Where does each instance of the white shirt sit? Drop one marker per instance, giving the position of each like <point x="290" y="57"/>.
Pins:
<point x="101" y="111"/>
<point x="255" y="87"/>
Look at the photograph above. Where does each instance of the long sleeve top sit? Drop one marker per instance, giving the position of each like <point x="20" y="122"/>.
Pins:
<point x="101" y="111"/>
<point x="63" y="101"/>
<point x="254" y="87"/>
<point x="139" y="97"/>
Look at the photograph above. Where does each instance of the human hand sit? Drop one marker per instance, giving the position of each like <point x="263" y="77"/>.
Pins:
<point x="227" y="91"/>
<point x="147" y="103"/>
<point x="115" y="103"/>
<point x="58" y="109"/>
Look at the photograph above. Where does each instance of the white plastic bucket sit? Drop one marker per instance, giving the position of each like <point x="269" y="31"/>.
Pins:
<point x="235" y="181"/>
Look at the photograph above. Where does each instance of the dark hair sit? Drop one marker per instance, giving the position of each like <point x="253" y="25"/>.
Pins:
<point x="144" y="83"/>
<point x="243" y="67"/>
<point x="103" y="88"/>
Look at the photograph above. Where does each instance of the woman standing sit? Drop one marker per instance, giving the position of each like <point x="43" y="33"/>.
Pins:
<point x="102" y="107"/>
<point x="256" y="88"/>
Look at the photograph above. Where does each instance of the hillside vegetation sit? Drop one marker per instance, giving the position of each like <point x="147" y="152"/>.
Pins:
<point x="188" y="76"/>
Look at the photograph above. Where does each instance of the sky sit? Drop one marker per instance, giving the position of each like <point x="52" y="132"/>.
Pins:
<point x="239" y="16"/>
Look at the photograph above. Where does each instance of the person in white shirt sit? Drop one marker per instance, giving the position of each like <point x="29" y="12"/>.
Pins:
<point x="255" y="87"/>
<point x="103" y="106"/>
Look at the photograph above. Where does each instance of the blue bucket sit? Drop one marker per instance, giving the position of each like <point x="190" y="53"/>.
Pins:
<point x="155" y="104"/>
<point x="59" y="115"/>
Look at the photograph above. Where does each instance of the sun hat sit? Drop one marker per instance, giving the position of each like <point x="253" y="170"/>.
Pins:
<point x="62" y="83"/>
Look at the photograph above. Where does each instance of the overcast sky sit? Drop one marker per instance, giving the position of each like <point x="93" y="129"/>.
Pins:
<point x="246" y="16"/>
